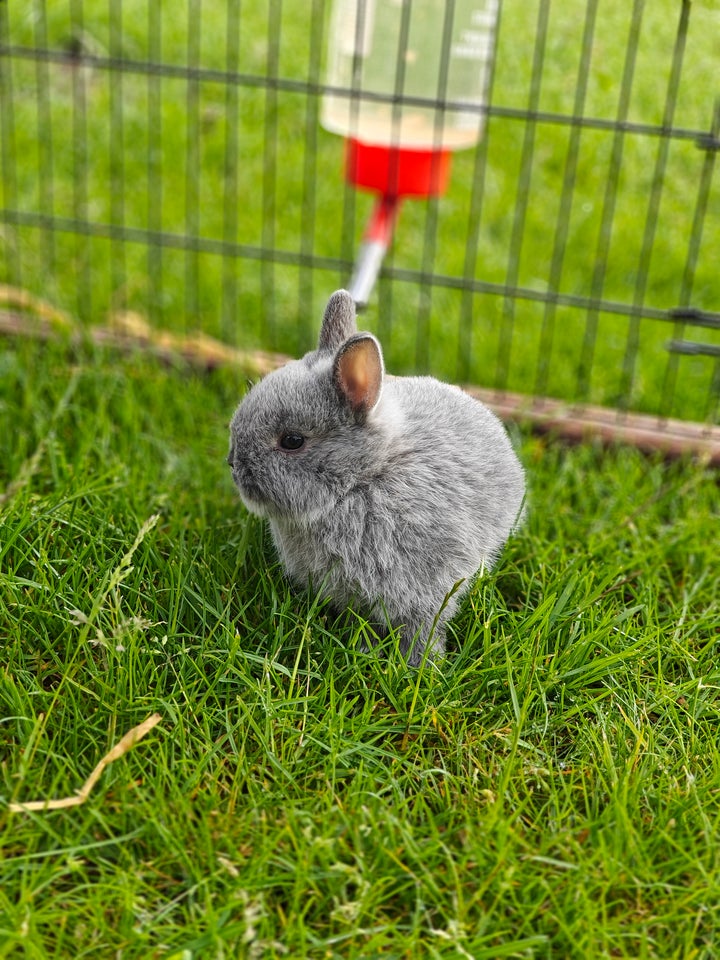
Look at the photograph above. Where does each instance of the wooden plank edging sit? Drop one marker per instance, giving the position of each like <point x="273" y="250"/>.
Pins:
<point x="578" y="422"/>
<point x="572" y="422"/>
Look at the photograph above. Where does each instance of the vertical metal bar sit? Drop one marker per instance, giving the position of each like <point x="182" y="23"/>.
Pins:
<point x="385" y="297"/>
<point x="401" y="59"/>
<point x="83" y="245"/>
<point x="118" y="267"/>
<point x="651" y="218"/>
<point x="347" y="233"/>
<point x="688" y="278"/>
<point x="192" y="162"/>
<point x="502" y="369"/>
<point x="587" y="353"/>
<point x="562" y="223"/>
<point x="307" y="327"/>
<point x="46" y="170"/>
<point x="269" y="183"/>
<point x="230" y="177"/>
<point x="422" y="344"/>
<point x="712" y="410"/>
<point x="472" y="243"/>
<point x="155" y="164"/>
<point x="8" y="151"/>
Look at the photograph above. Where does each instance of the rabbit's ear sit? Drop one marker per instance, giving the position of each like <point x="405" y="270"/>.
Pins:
<point x="358" y="372"/>
<point x="338" y="322"/>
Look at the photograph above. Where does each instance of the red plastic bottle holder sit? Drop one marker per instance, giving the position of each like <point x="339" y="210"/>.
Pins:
<point x="397" y="171"/>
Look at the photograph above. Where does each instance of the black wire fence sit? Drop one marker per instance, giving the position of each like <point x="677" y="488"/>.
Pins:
<point x="169" y="162"/>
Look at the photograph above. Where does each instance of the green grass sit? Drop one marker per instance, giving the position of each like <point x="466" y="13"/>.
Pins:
<point x="241" y="165"/>
<point x="552" y="790"/>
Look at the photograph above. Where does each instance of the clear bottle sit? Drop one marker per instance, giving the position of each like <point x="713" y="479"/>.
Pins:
<point x="410" y="74"/>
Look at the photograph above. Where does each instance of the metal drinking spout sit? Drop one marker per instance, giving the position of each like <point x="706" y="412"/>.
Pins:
<point x="377" y="239"/>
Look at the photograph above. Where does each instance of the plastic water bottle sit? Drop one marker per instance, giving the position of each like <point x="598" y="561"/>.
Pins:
<point x="410" y="73"/>
<point x="407" y="84"/>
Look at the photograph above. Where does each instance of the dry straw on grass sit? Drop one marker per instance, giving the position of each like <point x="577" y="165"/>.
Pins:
<point x="125" y="744"/>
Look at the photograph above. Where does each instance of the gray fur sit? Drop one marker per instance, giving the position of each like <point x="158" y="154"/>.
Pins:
<point x="385" y="507"/>
<point x="338" y="321"/>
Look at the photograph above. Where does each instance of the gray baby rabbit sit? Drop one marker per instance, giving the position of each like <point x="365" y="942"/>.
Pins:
<point x="383" y="492"/>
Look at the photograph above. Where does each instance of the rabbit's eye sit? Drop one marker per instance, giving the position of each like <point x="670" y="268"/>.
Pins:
<point x="291" y="441"/>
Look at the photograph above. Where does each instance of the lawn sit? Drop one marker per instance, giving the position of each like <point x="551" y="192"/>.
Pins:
<point x="552" y="789"/>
